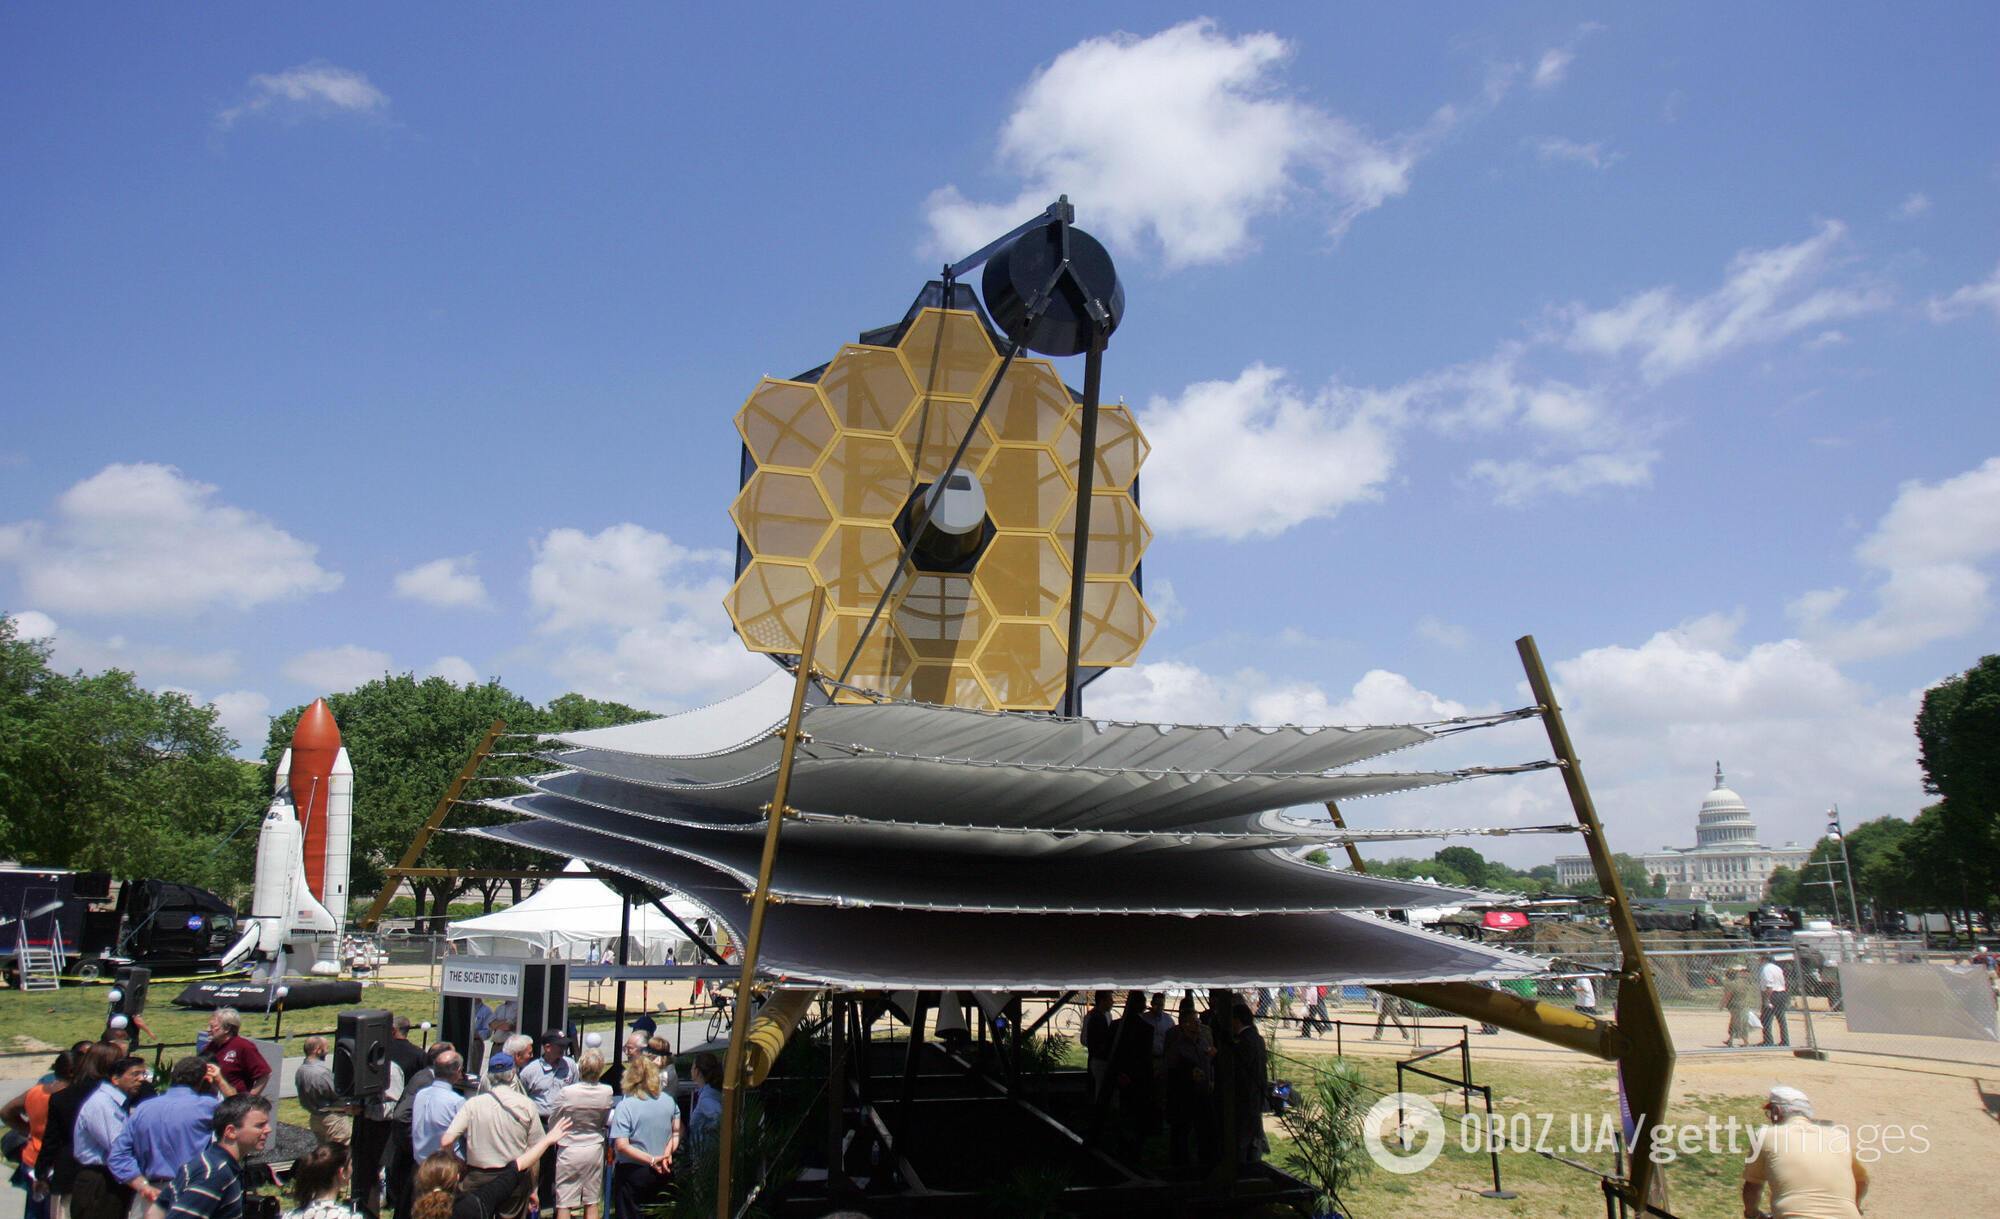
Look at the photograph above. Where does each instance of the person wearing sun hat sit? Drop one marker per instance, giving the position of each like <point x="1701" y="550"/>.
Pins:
<point x="1812" y="1169"/>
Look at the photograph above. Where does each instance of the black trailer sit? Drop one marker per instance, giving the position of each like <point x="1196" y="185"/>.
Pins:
<point x="170" y="928"/>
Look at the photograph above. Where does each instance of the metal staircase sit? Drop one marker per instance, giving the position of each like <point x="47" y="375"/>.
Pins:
<point x="40" y="966"/>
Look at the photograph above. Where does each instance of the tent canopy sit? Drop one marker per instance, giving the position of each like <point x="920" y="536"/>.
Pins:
<point x="575" y="918"/>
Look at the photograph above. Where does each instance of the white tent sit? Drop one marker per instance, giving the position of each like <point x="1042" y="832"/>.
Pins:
<point x="576" y="918"/>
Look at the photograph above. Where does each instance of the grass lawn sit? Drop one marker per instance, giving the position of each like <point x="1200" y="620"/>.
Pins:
<point x="33" y="1026"/>
<point x="1536" y="1102"/>
<point x="44" y="1022"/>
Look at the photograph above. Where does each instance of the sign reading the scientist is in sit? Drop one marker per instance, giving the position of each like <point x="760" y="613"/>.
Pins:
<point x="486" y="978"/>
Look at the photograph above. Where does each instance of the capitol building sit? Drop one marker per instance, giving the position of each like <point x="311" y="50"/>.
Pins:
<point x="1726" y="863"/>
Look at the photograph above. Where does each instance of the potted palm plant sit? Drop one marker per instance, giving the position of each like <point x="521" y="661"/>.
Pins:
<point x="1323" y="1123"/>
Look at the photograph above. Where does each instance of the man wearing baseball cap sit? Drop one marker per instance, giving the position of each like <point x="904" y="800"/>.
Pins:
<point x="541" y="1079"/>
<point x="497" y="1126"/>
<point x="1811" y="1168"/>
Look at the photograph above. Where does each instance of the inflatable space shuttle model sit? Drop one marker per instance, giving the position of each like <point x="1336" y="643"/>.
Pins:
<point x="299" y="902"/>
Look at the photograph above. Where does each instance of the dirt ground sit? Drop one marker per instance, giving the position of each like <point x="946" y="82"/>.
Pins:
<point x="1944" y="1093"/>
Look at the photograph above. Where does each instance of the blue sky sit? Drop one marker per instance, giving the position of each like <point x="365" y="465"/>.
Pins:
<point x="411" y="340"/>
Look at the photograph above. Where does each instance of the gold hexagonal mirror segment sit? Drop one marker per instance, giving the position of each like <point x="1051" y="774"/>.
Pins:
<point x="882" y="666"/>
<point x="1118" y="534"/>
<point x="769" y="604"/>
<point x="865" y="478"/>
<point x="949" y="353"/>
<point x="1031" y="406"/>
<point x="855" y="563"/>
<point x="781" y="515"/>
<point x="1116" y="623"/>
<point x="932" y="432"/>
<point x="785" y="423"/>
<point x="1026" y="489"/>
<point x="1023" y="575"/>
<point x="949" y="685"/>
<point x="941" y="616"/>
<point x="1121" y="447"/>
<point x="868" y="389"/>
<point x="1023" y="665"/>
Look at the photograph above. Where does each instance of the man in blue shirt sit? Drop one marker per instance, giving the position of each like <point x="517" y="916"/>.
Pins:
<point x="96" y="1195"/>
<point x="210" y="1186"/>
<point x="541" y="1080"/>
<point x="436" y="1105"/>
<point x="167" y="1131"/>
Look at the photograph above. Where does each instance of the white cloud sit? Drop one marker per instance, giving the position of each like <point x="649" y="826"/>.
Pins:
<point x="623" y="575"/>
<point x="1183" y="138"/>
<point x="1442" y="633"/>
<point x="1827" y="338"/>
<point x="1552" y="149"/>
<point x="1164" y="691"/>
<point x="1379" y="697"/>
<point x="1651" y="720"/>
<point x="1255" y="456"/>
<point x="145" y="539"/>
<point x="1793" y="732"/>
<point x="1176" y="692"/>
<point x="1767" y="295"/>
<point x="1258" y="455"/>
<point x="455" y="669"/>
<point x="336" y="670"/>
<point x="638" y="617"/>
<point x="1913" y="206"/>
<point x="1552" y="67"/>
<point x="664" y="666"/>
<point x="32" y="624"/>
<point x="1928" y="550"/>
<point x="1970" y="299"/>
<point x="1164" y="602"/>
<point x="445" y="583"/>
<point x="1519" y="481"/>
<point x="246" y="716"/>
<point x="311" y="89"/>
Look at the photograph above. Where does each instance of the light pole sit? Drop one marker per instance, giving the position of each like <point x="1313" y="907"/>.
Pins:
<point x="1846" y="865"/>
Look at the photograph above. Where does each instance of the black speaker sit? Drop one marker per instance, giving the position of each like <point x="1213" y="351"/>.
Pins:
<point x="129" y="984"/>
<point x="361" y="1053"/>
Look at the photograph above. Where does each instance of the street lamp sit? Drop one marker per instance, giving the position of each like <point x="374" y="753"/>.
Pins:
<point x="1846" y="865"/>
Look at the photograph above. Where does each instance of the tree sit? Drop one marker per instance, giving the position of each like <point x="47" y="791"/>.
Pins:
<point x="1781" y="888"/>
<point x="1958" y="738"/>
<point x="1466" y="862"/>
<point x="99" y="773"/>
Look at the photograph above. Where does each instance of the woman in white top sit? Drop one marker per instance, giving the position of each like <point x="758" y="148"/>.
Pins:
<point x="317" y="1182"/>
<point x="580" y="1163"/>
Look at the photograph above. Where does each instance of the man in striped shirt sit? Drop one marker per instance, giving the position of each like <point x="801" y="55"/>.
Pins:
<point x="210" y="1186"/>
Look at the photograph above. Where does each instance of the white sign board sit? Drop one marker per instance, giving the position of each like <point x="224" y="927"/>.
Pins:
<point x="486" y="977"/>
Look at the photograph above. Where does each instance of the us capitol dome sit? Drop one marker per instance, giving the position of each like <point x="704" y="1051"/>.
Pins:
<point x="1726" y="863"/>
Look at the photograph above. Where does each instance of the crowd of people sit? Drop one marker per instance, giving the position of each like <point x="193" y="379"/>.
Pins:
<point x="531" y="1129"/>
<point x="1149" y="1067"/>
<point x="103" y="1142"/>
